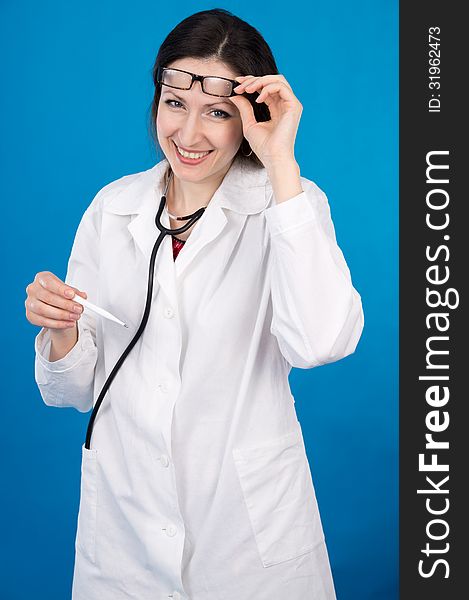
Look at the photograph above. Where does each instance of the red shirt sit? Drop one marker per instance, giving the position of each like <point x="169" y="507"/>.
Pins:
<point x="177" y="245"/>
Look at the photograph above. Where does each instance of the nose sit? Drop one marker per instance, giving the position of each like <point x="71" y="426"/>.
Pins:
<point x="197" y="86"/>
<point x="191" y="131"/>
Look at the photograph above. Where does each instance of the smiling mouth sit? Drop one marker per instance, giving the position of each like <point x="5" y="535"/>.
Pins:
<point x="191" y="155"/>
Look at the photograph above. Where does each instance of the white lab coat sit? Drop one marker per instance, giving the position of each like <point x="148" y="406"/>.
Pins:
<point x="197" y="485"/>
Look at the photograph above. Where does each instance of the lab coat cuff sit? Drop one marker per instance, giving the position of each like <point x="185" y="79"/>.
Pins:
<point x="292" y="213"/>
<point x="42" y="346"/>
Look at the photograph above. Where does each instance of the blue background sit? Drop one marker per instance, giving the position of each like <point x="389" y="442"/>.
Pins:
<point x="74" y="115"/>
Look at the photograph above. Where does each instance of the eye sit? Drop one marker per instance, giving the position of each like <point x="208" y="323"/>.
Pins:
<point x="169" y="103"/>
<point x="219" y="114"/>
<point x="222" y="113"/>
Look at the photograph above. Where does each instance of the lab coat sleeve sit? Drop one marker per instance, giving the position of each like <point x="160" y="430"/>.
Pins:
<point x="317" y="313"/>
<point x="69" y="381"/>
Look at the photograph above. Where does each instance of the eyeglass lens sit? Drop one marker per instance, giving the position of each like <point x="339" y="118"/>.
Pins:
<point x="214" y="86"/>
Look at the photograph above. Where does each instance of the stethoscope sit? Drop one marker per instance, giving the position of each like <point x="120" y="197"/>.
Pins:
<point x="163" y="232"/>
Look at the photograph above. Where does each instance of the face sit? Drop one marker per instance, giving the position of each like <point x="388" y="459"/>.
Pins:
<point x="197" y="122"/>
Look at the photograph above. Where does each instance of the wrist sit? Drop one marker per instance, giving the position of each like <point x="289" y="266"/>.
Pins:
<point x="285" y="180"/>
<point x="67" y="333"/>
<point x="279" y="164"/>
<point x="62" y="342"/>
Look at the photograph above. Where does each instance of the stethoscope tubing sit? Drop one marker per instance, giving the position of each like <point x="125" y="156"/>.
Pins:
<point x="146" y="313"/>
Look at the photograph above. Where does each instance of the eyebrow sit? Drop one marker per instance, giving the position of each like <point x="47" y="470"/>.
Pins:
<point x="205" y="105"/>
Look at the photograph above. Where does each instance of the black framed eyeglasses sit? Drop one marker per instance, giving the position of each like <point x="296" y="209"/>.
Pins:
<point x="183" y="80"/>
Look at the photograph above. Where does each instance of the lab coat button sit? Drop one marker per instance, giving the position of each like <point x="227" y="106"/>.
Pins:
<point x="171" y="530"/>
<point x="169" y="313"/>
<point x="162" y="387"/>
<point x="164" y="460"/>
<point x="176" y="596"/>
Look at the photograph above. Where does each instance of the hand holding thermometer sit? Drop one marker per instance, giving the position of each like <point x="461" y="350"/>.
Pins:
<point x="96" y="309"/>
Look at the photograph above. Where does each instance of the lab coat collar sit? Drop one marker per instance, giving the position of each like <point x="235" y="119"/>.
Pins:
<point x="243" y="190"/>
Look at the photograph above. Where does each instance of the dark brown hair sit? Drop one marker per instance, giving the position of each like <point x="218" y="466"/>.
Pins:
<point x="217" y="34"/>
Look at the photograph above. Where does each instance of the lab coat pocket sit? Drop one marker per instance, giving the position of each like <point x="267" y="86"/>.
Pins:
<point x="276" y="483"/>
<point x="86" y="531"/>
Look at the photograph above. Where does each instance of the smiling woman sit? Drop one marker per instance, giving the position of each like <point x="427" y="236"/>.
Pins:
<point x="199" y="138"/>
<point x="198" y="484"/>
<point x="203" y="36"/>
<point x="188" y="132"/>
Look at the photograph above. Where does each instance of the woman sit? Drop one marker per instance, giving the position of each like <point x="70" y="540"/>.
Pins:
<point x="197" y="483"/>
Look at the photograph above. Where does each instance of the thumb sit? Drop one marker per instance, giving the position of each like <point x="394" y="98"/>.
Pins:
<point x="246" y="111"/>
<point x="82" y="294"/>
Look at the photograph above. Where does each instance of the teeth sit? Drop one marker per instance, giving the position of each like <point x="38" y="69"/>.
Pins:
<point x="191" y="154"/>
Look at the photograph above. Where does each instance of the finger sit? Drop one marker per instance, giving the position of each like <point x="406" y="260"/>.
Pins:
<point x="259" y="85"/>
<point x="285" y="81"/>
<point x="50" y="323"/>
<point x="42" y="309"/>
<point x="274" y="91"/>
<point x="52" y="283"/>
<point x="58" y="301"/>
<point x="247" y="80"/>
<point x="247" y="83"/>
<point x="280" y="102"/>
<point x="246" y="111"/>
<point x="243" y="77"/>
